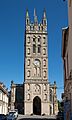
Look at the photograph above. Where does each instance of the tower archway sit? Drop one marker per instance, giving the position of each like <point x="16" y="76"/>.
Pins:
<point x="37" y="106"/>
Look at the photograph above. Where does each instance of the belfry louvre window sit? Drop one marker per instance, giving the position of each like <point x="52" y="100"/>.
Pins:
<point x="39" y="48"/>
<point x="34" y="48"/>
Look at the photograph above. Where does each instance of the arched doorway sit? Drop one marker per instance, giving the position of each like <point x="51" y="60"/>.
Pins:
<point x="37" y="106"/>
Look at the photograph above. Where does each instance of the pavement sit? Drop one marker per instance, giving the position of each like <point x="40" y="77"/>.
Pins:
<point x="36" y="117"/>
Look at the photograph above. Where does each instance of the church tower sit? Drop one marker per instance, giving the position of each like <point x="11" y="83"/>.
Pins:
<point x="36" y="85"/>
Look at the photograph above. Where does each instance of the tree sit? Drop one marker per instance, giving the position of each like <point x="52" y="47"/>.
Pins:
<point x="60" y="106"/>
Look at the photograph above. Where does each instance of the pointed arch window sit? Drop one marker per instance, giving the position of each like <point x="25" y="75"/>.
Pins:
<point x="39" y="39"/>
<point x="35" y="71"/>
<point x="39" y="48"/>
<point x="44" y="51"/>
<point x="38" y="71"/>
<point x="34" y="48"/>
<point x="34" y="39"/>
<point x="28" y="62"/>
<point x="44" y="62"/>
<point x="44" y="40"/>
<point x="44" y="74"/>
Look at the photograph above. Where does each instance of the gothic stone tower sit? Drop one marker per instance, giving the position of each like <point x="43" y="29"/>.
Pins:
<point x="36" y="85"/>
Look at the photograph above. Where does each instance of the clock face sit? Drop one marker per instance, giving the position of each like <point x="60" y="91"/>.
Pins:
<point x="36" y="63"/>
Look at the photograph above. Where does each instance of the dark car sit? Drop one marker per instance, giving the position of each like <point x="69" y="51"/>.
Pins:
<point x="60" y="116"/>
<point x="3" y="117"/>
<point x="11" y="116"/>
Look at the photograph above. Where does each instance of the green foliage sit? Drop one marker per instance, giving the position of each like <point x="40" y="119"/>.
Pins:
<point x="60" y="106"/>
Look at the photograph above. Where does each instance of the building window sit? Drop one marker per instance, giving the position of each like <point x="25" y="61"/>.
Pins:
<point x="28" y="62"/>
<point x="28" y="73"/>
<point x="39" y="48"/>
<point x="44" y="51"/>
<point x="38" y="72"/>
<point x="34" y="48"/>
<point x="33" y="39"/>
<point x="28" y="51"/>
<point x="67" y="66"/>
<point x="44" y="40"/>
<point x="0" y="95"/>
<point x="39" y="39"/>
<point x="45" y="87"/>
<point x="50" y="95"/>
<point x="28" y="40"/>
<point x="65" y="69"/>
<point x="34" y="71"/>
<point x="44" y="62"/>
<point x="44" y="74"/>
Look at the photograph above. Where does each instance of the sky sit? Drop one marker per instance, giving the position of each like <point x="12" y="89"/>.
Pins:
<point x="12" y="32"/>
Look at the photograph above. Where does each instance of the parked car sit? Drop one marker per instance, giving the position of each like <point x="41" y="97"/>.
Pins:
<point x="16" y="114"/>
<point x="60" y="116"/>
<point x="11" y="116"/>
<point x="2" y="117"/>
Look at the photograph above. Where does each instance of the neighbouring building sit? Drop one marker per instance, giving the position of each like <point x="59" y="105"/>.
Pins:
<point x="3" y="99"/>
<point x="67" y="60"/>
<point x="39" y="96"/>
<point x="17" y="97"/>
